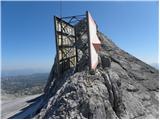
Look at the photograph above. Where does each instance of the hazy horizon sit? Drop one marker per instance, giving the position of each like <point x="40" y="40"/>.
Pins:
<point x="29" y="71"/>
<point x="28" y="40"/>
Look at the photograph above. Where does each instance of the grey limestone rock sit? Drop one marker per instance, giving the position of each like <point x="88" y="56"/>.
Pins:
<point x="121" y="87"/>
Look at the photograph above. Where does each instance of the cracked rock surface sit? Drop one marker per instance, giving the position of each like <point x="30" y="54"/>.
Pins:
<point x="121" y="87"/>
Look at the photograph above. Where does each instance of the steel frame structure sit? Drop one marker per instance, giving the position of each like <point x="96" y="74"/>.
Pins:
<point x="66" y="37"/>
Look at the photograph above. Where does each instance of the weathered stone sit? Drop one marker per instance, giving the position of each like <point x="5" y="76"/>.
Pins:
<point x="127" y="88"/>
<point x="105" y="61"/>
<point x="131" y="88"/>
<point x="92" y="72"/>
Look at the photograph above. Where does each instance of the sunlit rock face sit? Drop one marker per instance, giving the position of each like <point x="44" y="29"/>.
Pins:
<point x="121" y="87"/>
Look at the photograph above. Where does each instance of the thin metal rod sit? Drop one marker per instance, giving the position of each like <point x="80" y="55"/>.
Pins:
<point x="60" y="8"/>
<point x="59" y="19"/>
<point x="89" y="51"/>
<point x="75" y="30"/>
<point x="72" y="16"/>
<point x="56" y="40"/>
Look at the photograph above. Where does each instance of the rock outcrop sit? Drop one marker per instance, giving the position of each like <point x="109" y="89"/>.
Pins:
<point x="121" y="87"/>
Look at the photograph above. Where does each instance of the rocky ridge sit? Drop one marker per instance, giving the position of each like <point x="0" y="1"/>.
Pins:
<point x="121" y="87"/>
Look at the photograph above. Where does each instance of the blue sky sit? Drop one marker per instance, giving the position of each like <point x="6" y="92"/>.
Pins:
<point x="28" y="29"/>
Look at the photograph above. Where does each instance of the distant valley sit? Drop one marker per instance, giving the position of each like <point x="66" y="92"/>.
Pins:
<point x="22" y="85"/>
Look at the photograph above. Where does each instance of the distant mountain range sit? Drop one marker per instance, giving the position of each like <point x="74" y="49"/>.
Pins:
<point x="18" y="72"/>
<point x="155" y="65"/>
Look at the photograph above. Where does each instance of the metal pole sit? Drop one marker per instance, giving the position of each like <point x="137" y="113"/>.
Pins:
<point x="89" y="51"/>
<point x="76" y="49"/>
<point x="57" y="54"/>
